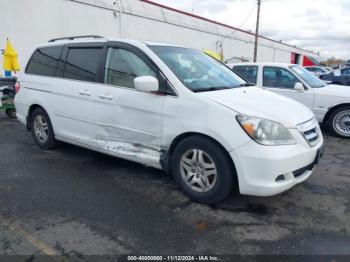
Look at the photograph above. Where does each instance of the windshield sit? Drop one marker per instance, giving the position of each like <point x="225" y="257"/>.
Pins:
<point x="308" y="77"/>
<point x="197" y="71"/>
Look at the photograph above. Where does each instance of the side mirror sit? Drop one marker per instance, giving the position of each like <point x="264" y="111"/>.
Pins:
<point x="299" y="87"/>
<point x="146" y="83"/>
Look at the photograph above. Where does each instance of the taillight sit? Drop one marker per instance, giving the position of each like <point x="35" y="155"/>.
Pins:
<point x="17" y="87"/>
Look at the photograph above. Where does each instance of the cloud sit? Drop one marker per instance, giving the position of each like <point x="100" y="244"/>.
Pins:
<point x="319" y="25"/>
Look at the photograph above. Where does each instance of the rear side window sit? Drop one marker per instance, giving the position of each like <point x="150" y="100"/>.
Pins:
<point x="248" y="72"/>
<point x="44" y="61"/>
<point x="82" y="64"/>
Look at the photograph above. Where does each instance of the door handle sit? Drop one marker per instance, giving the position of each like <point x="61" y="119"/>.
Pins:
<point x="84" y="93"/>
<point x="106" y="96"/>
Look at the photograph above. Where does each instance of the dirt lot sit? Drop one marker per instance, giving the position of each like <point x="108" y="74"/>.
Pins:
<point x="75" y="201"/>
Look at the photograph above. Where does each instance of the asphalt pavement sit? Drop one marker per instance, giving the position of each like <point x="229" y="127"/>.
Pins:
<point x="73" y="201"/>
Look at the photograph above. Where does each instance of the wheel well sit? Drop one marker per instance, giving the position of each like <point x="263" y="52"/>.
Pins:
<point x="330" y="111"/>
<point x="30" y="111"/>
<point x="181" y="137"/>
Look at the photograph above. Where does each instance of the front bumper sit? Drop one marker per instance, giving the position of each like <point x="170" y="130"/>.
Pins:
<point x="260" y="168"/>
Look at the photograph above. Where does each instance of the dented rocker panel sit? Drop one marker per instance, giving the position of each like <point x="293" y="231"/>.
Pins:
<point x="149" y="156"/>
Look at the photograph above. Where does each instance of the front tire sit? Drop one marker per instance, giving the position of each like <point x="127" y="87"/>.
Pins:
<point x="339" y="122"/>
<point x="42" y="130"/>
<point x="203" y="170"/>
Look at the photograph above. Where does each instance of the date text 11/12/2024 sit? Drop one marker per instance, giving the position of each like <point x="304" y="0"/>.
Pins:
<point x="172" y="258"/>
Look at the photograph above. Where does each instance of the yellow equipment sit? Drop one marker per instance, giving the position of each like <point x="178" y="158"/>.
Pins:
<point x="10" y="58"/>
<point x="213" y="54"/>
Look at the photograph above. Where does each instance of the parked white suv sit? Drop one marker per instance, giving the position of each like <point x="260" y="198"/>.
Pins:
<point x="330" y="103"/>
<point x="171" y="108"/>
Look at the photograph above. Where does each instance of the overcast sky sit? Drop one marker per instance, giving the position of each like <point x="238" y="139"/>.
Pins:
<point x="318" y="25"/>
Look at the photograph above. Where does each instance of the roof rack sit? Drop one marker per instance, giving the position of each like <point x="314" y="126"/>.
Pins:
<point x="75" y="37"/>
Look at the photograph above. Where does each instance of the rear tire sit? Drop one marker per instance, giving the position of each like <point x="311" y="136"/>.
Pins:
<point x="203" y="170"/>
<point x="339" y="122"/>
<point x="42" y="130"/>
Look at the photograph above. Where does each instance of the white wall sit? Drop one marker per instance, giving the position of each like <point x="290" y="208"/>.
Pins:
<point x="31" y="22"/>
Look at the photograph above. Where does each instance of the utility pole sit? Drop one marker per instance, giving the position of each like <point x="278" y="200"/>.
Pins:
<point x="257" y="32"/>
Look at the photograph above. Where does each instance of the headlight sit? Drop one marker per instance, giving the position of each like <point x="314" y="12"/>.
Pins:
<point x="265" y="132"/>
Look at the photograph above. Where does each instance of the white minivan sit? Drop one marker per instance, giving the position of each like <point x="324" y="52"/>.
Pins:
<point x="171" y="108"/>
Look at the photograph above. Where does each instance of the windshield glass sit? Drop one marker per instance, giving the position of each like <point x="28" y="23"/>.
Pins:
<point x="308" y="77"/>
<point x="197" y="71"/>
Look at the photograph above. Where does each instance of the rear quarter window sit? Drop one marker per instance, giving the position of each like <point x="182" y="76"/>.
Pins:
<point x="250" y="73"/>
<point x="44" y="61"/>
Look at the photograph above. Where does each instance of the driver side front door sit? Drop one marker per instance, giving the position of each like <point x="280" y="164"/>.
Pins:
<point x="129" y="121"/>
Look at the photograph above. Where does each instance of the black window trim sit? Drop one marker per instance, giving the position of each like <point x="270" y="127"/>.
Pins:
<point x="165" y="86"/>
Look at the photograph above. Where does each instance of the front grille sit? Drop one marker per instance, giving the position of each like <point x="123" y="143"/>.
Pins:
<point x="301" y="171"/>
<point x="310" y="131"/>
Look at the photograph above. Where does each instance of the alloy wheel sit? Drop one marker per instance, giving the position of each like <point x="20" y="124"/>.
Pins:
<point x="198" y="170"/>
<point x="41" y="128"/>
<point x="341" y="123"/>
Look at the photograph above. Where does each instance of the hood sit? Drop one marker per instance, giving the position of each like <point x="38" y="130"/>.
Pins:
<point x="343" y="92"/>
<point x="258" y="102"/>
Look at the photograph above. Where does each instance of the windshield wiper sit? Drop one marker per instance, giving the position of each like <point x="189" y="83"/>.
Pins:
<point x="213" y="88"/>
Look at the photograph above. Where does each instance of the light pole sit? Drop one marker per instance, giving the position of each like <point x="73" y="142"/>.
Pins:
<point x="257" y="32"/>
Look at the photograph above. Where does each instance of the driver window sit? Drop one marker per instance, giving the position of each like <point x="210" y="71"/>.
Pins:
<point x="277" y="77"/>
<point x="122" y="67"/>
